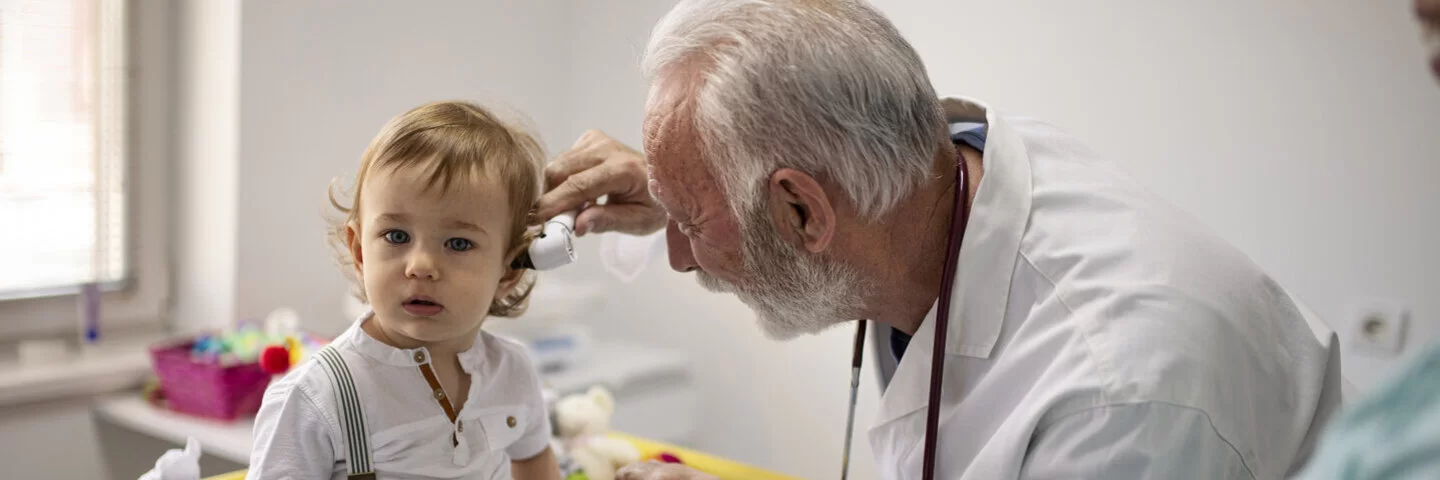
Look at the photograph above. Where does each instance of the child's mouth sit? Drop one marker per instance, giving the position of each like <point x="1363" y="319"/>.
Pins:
<point x="422" y="307"/>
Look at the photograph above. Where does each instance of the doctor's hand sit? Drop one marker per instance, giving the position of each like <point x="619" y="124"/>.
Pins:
<point x="653" y="470"/>
<point x="600" y="166"/>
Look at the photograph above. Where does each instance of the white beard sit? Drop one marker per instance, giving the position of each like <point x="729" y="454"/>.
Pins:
<point x="791" y="294"/>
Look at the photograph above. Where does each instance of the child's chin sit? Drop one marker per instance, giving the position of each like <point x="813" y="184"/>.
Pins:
<point x="430" y="330"/>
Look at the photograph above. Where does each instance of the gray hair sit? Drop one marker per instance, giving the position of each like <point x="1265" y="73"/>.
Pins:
<point x="825" y="87"/>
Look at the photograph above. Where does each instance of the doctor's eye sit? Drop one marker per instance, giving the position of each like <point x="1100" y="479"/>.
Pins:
<point x="395" y="237"/>
<point x="459" y="244"/>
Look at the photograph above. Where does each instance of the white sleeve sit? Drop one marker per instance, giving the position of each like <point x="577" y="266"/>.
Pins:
<point x="625" y="256"/>
<point x="292" y="436"/>
<point x="1133" y="441"/>
<point x="536" y="437"/>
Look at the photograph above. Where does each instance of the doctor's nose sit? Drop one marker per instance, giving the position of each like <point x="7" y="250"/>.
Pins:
<point x="421" y="265"/>
<point x="682" y="259"/>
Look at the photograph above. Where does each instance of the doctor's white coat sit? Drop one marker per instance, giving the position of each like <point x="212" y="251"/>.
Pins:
<point x="1099" y="333"/>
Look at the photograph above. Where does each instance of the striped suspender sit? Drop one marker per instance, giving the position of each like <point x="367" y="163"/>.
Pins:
<point x="352" y="416"/>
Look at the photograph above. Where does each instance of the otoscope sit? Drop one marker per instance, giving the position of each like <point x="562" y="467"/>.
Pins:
<point x="554" y="248"/>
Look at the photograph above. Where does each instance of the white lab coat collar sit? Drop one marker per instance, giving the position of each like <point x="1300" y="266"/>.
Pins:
<point x="987" y="259"/>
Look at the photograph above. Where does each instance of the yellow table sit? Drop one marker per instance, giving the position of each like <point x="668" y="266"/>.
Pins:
<point x="720" y="467"/>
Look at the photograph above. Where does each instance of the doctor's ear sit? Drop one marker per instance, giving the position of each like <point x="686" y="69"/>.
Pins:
<point x="801" y="209"/>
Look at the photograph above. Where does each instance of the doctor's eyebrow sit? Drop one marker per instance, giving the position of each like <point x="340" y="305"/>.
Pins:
<point x="651" y="186"/>
<point x="650" y="190"/>
<point x="662" y="206"/>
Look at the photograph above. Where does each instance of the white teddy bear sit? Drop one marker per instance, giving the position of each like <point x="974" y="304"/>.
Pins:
<point x="582" y="421"/>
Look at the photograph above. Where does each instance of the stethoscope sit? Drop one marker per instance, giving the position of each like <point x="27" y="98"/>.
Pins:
<point x="942" y="321"/>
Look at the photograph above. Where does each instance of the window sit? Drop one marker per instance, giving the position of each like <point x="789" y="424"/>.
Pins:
<point x="62" y="146"/>
<point x="85" y="142"/>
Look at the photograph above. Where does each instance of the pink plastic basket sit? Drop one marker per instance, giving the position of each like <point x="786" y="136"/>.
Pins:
<point x="205" y="389"/>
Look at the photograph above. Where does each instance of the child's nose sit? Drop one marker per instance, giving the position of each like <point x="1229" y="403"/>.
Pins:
<point x="422" y="266"/>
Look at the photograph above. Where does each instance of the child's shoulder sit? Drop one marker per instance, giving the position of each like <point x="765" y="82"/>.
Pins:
<point x="309" y="379"/>
<point x="505" y="354"/>
<point x="500" y="348"/>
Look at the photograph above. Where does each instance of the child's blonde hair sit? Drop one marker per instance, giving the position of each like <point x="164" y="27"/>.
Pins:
<point x="454" y="141"/>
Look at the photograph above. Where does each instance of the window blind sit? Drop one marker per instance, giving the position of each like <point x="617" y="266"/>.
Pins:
<point x="63" y="151"/>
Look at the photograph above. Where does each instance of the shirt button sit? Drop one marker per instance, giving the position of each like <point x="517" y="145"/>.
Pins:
<point x="510" y="421"/>
<point x="460" y="427"/>
<point x="419" y="357"/>
<point x="439" y="394"/>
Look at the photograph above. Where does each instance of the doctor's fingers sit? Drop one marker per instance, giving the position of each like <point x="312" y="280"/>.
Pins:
<point x="631" y="218"/>
<point x="592" y="149"/>
<point x="622" y="183"/>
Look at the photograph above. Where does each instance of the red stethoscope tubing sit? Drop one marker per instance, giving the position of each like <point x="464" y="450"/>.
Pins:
<point x="959" y="217"/>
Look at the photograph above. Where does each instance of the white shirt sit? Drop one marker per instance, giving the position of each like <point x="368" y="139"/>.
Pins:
<point x="298" y="433"/>
<point x="1097" y="332"/>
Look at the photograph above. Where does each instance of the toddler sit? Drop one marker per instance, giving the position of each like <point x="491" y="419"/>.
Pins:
<point x="414" y="388"/>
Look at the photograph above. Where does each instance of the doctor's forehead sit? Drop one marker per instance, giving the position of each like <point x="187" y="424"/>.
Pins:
<point x="667" y="123"/>
<point x="678" y="177"/>
<point x="669" y="178"/>
<point x="670" y="141"/>
<point x="669" y="107"/>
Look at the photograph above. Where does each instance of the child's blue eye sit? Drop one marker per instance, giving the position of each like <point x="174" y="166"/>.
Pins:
<point x="459" y="244"/>
<point x="396" y="236"/>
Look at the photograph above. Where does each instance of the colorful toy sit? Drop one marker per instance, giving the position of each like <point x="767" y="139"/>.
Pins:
<point x="275" y="359"/>
<point x="224" y="375"/>
<point x="297" y="350"/>
<point x="583" y="422"/>
<point x="249" y="343"/>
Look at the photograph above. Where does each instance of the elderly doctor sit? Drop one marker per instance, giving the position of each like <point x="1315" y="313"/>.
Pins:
<point x="797" y="156"/>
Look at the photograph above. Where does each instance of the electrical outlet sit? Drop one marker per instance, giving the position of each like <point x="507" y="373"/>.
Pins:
<point x="1378" y="327"/>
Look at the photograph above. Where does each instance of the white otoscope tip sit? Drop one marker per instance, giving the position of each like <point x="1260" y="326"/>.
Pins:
<point x="556" y="245"/>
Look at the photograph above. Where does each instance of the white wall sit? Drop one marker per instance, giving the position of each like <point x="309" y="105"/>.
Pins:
<point x="1304" y="132"/>
<point x="206" y="172"/>
<point x="318" y="79"/>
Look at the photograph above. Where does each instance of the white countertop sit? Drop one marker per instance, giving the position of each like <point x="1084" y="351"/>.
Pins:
<point x="227" y="440"/>
<point x="619" y="366"/>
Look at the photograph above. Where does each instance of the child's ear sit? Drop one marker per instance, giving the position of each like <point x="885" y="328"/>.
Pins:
<point x="353" y="244"/>
<point x="512" y="276"/>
